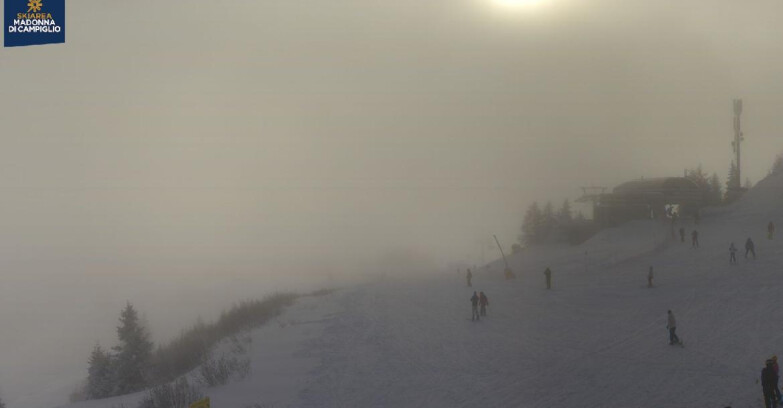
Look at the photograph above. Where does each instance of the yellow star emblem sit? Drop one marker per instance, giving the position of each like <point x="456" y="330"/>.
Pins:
<point x="35" y="5"/>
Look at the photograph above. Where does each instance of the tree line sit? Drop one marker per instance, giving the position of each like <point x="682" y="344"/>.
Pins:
<point x="134" y="364"/>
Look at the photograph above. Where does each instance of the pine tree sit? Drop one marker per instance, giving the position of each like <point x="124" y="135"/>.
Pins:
<point x="564" y="214"/>
<point x="133" y="352"/>
<point x="699" y="177"/>
<point x="732" y="182"/>
<point x="777" y="165"/>
<point x="548" y="221"/>
<point x="531" y="225"/>
<point x="100" y="377"/>
<point x="716" y="191"/>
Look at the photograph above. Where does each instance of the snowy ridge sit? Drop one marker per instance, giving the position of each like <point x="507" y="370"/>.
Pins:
<point x="597" y="339"/>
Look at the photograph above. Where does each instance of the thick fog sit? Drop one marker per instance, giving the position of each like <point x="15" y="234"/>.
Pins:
<point x="183" y="155"/>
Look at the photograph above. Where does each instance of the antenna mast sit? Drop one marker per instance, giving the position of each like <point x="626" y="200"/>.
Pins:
<point x="738" y="137"/>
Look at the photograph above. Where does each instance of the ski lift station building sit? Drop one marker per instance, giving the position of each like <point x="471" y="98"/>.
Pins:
<point x="649" y="198"/>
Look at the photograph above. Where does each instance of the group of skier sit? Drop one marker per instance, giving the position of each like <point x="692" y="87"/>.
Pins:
<point x="769" y="375"/>
<point x="479" y="300"/>
<point x="694" y="237"/>
<point x="750" y="247"/>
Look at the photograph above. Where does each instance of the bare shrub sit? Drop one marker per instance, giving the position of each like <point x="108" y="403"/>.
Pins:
<point x="179" y="394"/>
<point x="220" y="371"/>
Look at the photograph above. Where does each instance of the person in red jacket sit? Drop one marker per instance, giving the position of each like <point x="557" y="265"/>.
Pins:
<point x="483" y="302"/>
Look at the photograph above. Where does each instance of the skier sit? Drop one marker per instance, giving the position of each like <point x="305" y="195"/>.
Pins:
<point x="672" y="326"/>
<point x="732" y="252"/>
<point x="769" y="381"/>
<point x="770" y="230"/>
<point x="682" y="234"/>
<point x="470" y="276"/>
<point x="650" y="277"/>
<point x="474" y="301"/>
<point x="548" y="275"/>
<point x="483" y="302"/>
<point x="695" y="239"/>
<point x="749" y="247"/>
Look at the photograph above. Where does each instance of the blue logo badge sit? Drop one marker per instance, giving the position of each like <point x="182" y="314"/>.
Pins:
<point x="34" y="22"/>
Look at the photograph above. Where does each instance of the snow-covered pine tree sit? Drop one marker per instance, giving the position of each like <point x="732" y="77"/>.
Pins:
<point x="777" y="165"/>
<point x="699" y="177"/>
<point x="548" y="221"/>
<point x="100" y="375"/>
<point x="133" y="353"/>
<point x="531" y="224"/>
<point x="731" y="183"/>
<point x="716" y="190"/>
<point x="564" y="214"/>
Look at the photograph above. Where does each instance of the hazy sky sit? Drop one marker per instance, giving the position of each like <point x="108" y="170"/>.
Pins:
<point x="229" y="133"/>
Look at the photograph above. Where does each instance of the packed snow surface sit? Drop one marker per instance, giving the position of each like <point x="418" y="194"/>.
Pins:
<point x="598" y="338"/>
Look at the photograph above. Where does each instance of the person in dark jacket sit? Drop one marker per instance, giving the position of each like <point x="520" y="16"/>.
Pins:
<point x="474" y="301"/>
<point x="469" y="277"/>
<point x="769" y="381"/>
<point x="483" y="302"/>
<point x="732" y="254"/>
<point x="777" y="372"/>
<point x="749" y="247"/>
<point x="671" y="324"/>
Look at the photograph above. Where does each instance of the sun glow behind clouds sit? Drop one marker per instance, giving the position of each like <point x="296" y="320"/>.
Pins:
<point x="518" y="4"/>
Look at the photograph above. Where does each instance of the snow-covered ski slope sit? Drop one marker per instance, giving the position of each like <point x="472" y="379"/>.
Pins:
<point x="597" y="339"/>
